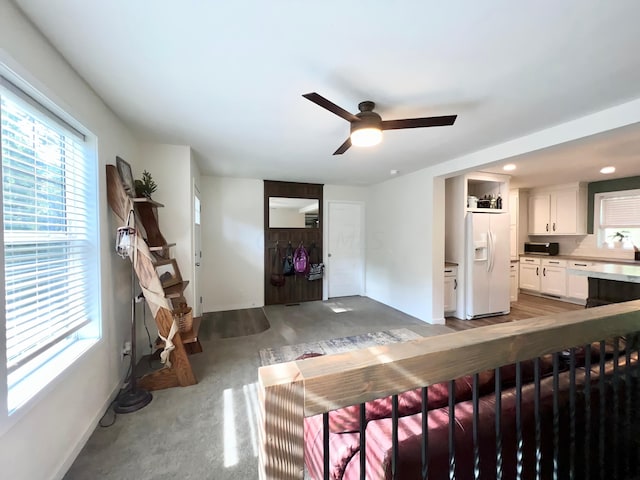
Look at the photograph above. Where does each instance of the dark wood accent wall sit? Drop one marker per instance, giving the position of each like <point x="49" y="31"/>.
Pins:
<point x="296" y="288"/>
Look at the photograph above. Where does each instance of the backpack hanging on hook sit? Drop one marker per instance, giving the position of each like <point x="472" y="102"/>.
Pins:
<point x="287" y="262"/>
<point x="301" y="260"/>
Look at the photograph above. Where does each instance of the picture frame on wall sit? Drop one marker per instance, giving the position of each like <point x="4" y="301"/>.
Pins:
<point x="126" y="175"/>
<point x="168" y="273"/>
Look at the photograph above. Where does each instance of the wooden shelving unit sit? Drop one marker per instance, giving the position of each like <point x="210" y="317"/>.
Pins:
<point x="151" y="250"/>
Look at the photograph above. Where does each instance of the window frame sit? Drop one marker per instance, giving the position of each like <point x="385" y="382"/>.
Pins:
<point x="54" y="372"/>
<point x="599" y="230"/>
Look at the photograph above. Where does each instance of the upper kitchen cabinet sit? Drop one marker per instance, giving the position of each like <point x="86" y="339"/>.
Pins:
<point x="559" y="210"/>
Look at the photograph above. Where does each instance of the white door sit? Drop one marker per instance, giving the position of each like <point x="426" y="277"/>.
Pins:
<point x="530" y="276"/>
<point x="345" y="255"/>
<point x="197" y="253"/>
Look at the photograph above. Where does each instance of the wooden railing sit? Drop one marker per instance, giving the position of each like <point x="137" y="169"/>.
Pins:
<point x="291" y="391"/>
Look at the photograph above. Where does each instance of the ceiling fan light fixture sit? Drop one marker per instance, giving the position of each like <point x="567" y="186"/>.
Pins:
<point x="366" y="137"/>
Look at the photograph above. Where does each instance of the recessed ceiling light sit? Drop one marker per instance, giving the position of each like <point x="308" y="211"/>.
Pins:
<point x="607" y="170"/>
<point x="509" y="167"/>
<point x="393" y="172"/>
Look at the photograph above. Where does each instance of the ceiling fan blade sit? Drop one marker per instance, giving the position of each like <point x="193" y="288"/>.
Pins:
<point x="332" y="107"/>
<point x="419" y="122"/>
<point x="344" y="147"/>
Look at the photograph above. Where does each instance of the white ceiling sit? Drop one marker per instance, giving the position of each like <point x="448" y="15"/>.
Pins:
<point x="578" y="161"/>
<point x="226" y="78"/>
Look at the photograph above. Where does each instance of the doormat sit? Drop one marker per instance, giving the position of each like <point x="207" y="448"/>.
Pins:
<point x="269" y="356"/>
<point x="233" y="323"/>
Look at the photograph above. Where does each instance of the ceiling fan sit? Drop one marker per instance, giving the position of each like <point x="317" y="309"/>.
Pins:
<point x="367" y="126"/>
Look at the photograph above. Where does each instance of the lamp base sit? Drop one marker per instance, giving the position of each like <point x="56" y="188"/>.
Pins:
<point x="132" y="400"/>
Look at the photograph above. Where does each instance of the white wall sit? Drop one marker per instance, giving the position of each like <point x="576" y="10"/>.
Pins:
<point x="170" y="167"/>
<point x="42" y="441"/>
<point x="402" y="223"/>
<point x="232" y="243"/>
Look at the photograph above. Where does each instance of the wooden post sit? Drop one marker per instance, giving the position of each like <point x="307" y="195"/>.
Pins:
<point x="281" y="424"/>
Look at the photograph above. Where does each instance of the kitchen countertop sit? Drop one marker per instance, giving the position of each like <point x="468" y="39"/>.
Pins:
<point x="621" y="261"/>
<point x="610" y="271"/>
<point x="450" y="264"/>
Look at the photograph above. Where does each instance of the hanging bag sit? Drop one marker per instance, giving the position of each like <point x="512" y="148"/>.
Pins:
<point x="316" y="269"/>
<point x="301" y="260"/>
<point x="287" y="262"/>
<point x="277" y="278"/>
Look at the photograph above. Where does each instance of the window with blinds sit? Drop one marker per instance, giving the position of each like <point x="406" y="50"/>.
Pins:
<point x="50" y="244"/>
<point x="619" y="218"/>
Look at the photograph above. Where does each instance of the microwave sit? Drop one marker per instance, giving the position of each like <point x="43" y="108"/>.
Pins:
<point x="533" y="248"/>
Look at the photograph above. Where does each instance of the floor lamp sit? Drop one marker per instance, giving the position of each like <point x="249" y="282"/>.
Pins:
<point x="133" y="398"/>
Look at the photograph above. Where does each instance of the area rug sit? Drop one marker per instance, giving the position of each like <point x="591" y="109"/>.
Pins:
<point x="269" y="356"/>
<point x="233" y="323"/>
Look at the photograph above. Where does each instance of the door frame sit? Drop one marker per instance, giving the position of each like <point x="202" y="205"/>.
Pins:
<point x="363" y="244"/>
<point x="197" y="280"/>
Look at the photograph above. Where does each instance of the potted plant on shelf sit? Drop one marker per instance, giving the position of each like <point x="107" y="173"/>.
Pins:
<point x="146" y="186"/>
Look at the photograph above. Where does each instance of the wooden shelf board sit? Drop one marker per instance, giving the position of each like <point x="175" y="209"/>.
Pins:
<point x="175" y="291"/>
<point x="147" y="200"/>
<point x="162" y="247"/>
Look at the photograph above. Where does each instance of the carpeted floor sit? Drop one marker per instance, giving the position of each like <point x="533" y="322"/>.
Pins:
<point x="209" y="431"/>
<point x="233" y="323"/>
<point x="287" y="353"/>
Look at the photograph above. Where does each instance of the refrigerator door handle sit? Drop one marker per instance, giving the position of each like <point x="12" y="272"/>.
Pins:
<point x="490" y="251"/>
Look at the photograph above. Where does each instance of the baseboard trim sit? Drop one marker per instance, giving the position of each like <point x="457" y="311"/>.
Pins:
<point x="67" y="462"/>
<point x="225" y="308"/>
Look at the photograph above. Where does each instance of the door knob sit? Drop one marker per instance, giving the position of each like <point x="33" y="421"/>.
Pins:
<point x="328" y="254"/>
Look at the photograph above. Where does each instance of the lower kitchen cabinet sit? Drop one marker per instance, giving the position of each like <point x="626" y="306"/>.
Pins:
<point x="578" y="285"/>
<point x="554" y="277"/>
<point x="530" y="274"/>
<point x="513" y="277"/>
<point x="450" y="289"/>
<point x="549" y="276"/>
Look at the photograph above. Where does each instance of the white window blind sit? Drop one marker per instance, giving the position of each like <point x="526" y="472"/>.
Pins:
<point x="50" y="231"/>
<point x="622" y="211"/>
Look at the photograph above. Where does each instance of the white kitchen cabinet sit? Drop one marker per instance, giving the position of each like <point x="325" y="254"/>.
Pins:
<point x="558" y="210"/>
<point x="578" y="285"/>
<point x="554" y="277"/>
<point x="513" y="276"/>
<point x="530" y="274"/>
<point x="513" y="242"/>
<point x="539" y="213"/>
<point x="450" y="289"/>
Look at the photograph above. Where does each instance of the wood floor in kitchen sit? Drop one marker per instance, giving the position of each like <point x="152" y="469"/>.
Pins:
<point x="527" y="306"/>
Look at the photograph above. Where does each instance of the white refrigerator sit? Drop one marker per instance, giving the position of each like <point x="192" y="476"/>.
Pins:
<point x="487" y="264"/>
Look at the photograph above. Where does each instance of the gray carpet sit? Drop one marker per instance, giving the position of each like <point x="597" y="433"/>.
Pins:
<point x="269" y="356"/>
<point x="209" y="430"/>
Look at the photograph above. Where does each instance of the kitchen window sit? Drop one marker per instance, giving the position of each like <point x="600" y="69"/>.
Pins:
<point x="618" y="219"/>
<point x="50" y="240"/>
